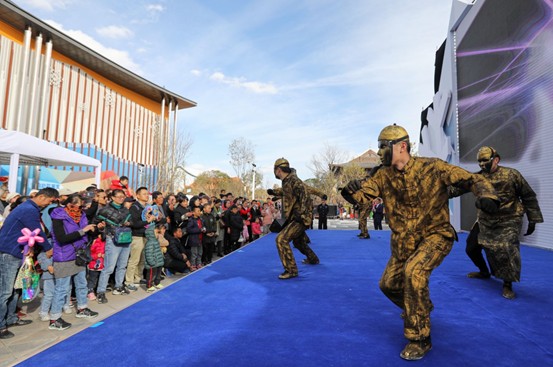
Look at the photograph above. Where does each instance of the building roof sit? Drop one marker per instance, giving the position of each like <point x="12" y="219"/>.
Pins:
<point x="367" y="160"/>
<point x="65" y="45"/>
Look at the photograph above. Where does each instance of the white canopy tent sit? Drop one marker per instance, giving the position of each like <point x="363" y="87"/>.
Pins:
<point x="19" y="148"/>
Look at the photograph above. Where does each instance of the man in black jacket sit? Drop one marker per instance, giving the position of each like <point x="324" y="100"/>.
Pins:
<point x="176" y="259"/>
<point x="235" y="226"/>
<point x="210" y="235"/>
<point x="322" y="210"/>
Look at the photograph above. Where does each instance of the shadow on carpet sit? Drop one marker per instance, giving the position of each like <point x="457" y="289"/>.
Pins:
<point x="236" y="312"/>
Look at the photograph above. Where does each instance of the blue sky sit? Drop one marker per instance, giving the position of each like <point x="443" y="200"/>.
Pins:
<point x="288" y="75"/>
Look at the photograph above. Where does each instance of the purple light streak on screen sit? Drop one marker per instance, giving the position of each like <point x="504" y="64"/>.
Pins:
<point x="536" y="34"/>
<point x="472" y="151"/>
<point x="489" y="77"/>
<point x="497" y="96"/>
<point x="490" y="51"/>
<point x="494" y="96"/>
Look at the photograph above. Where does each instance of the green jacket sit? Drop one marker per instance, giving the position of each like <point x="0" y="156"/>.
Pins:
<point x="152" y="252"/>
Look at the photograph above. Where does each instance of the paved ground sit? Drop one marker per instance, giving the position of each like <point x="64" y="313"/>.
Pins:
<point x="346" y="224"/>
<point x="33" y="338"/>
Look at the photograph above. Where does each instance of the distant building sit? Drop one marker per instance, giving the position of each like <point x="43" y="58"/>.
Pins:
<point x="367" y="161"/>
<point x="57" y="89"/>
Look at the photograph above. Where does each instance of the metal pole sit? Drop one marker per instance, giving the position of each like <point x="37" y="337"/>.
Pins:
<point x="174" y="146"/>
<point x="41" y="120"/>
<point x="32" y="130"/>
<point x="23" y="82"/>
<point x="253" y="181"/>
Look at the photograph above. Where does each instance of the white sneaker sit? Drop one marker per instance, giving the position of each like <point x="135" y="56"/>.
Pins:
<point x="67" y="310"/>
<point x="44" y="317"/>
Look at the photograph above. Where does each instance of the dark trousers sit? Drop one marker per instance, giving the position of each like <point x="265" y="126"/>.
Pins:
<point x="377" y="219"/>
<point x="322" y="223"/>
<point x="207" y="254"/>
<point x="153" y="276"/>
<point x="219" y="248"/>
<point x="227" y="247"/>
<point x="176" y="266"/>
<point x="92" y="281"/>
<point x="234" y="245"/>
<point x="474" y="250"/>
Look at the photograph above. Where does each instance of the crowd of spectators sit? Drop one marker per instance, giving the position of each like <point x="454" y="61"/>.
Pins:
<point x="135" y="238"/>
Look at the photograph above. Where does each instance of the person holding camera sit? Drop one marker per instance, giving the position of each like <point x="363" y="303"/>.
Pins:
<point x="99" y="200"/>
<point x="116" y="219"/>
<point x="69" y="235"/>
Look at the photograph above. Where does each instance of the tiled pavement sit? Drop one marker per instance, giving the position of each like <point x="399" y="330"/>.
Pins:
<point x="36" y="337"/>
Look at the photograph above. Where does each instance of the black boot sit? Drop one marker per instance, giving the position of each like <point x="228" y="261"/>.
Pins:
<point x="416" y="349"/>
<point x="508" y="290"/>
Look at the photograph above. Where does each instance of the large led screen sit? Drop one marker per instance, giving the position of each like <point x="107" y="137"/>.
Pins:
<point x="505" y="90"/>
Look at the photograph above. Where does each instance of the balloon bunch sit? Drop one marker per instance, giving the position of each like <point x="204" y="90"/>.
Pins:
<point x="29" y="276"/>
<point x="29" y="238"/>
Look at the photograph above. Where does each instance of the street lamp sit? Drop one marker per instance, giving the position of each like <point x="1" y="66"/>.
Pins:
<point x="253" y="181"/>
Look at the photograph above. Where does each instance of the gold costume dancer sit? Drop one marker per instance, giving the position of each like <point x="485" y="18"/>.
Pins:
<point x="498" y="233"/>
<point x="298" y="212"/>
<point x="415" y="194"/>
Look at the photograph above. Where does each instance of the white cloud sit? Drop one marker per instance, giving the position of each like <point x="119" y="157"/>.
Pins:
<point x="256" y="87"/>
<point x="196" y="72"/>
<point x="118" y="56"/>
<point x="155" y="8"/>
<point x="48" y="5"/>
<point x="114" y="31"/>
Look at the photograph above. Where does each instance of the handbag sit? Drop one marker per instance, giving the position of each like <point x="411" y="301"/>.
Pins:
<point x="122" y="235"/>
<point x="82" y="255"/>
<point x="27" y="280"/>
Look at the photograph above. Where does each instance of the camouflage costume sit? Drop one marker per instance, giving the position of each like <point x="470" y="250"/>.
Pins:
<point x="310" y="190"/>
<point x="364" y="212"/>
<point x="499" y="232"/>
<point x="416" y="203"/>
<point x="298" y="211"/>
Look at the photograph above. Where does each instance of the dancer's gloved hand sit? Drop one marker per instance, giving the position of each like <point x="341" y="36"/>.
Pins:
<point x="271" y="192"/>
<point x="353" y="186"/>
<point x="531" y="228"/>
<point x="488" y="205"/>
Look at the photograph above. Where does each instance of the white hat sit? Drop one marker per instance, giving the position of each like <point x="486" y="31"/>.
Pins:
<point x="12" y="195"/>
<point x="64" y="191"/>
<point x="33" y="191"/>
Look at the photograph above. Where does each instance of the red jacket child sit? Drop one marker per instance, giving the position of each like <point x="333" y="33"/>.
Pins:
<point x="97" y="252"/>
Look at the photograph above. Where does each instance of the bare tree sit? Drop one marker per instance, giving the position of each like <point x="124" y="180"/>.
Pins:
<point x="321" y="166"/>
<point x="241" y="155"/>
<point x="173" y="178"/>
<point x="350" y="172"/>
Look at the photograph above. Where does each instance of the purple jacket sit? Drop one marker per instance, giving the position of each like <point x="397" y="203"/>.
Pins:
<point x="66" y="251"/>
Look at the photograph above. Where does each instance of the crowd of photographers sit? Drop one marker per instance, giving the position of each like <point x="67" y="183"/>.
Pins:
<point x="116" y="240"/>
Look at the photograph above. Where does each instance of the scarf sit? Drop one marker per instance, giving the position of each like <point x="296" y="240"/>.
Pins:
<point x="74" y="213"/>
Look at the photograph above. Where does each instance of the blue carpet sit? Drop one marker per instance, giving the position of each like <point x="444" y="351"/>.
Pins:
<point x="237" y="313"/>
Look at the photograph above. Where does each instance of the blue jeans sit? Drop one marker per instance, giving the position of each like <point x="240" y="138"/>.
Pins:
<point x="60" y="293"/>
<point x="9" y="266"/>
<point x="115" y="257"/>
<point x="48" y="290"/>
